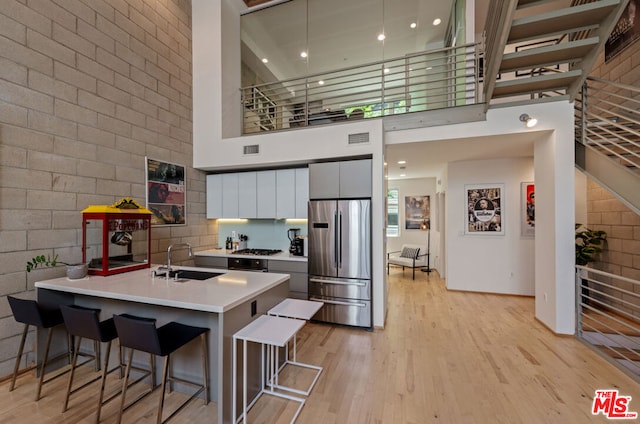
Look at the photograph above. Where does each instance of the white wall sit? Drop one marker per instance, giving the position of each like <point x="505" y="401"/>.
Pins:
<point x="554" y="170"/>
<point x="489" y="263"/>
<point x="417" y="187"/>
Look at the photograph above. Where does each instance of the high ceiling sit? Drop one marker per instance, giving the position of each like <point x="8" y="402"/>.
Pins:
<point x="338" y="34"/>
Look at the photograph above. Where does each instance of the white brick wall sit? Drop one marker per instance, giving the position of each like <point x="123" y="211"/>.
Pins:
<point x="87" y="89"/>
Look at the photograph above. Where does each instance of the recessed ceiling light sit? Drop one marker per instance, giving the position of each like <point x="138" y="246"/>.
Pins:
<point x="437" y="21"/>
<point x="265" y="60"/>
<point x="381" y="37"/>
<point x="429" y="68"/>
<point x="320" y="82"/>
<point x="402" y="162"/>
<point x="386" y="70"/>
<point x="303" y="54"/>
<point x="413" y="25"/>
<point x="403" y="175"/>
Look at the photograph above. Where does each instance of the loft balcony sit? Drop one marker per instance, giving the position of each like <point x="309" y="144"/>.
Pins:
<point x="407" y="86"/>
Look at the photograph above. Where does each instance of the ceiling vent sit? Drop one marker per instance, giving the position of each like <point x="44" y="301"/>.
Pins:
<point x="359" y="138"/>
<point x="252" y="149"/>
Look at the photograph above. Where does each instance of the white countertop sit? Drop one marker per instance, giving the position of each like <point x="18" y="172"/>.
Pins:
<point x="218" y="294"/>
<point x="282" y="256"/>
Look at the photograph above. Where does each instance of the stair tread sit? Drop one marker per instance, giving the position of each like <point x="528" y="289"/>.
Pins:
<point x="593" y="321"/>
<point x="620" y="353"/>
<point x="547" y="55"/>
<point x="536" y="84"/>
<point x="561" y="21"/>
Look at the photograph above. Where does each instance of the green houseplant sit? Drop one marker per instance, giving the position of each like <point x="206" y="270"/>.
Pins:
<point x="588" y="246"/>
<point x="74" y="271"/>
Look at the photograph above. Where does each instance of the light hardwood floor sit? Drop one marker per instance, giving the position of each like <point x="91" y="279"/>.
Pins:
<point x="444" y="357"/>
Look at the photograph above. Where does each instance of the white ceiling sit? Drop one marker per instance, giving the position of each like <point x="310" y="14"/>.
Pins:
<point x="340" y="34"/>
<point x="429" y="159"/>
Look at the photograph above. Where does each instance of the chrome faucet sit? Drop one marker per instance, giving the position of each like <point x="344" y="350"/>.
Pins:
<point x="171" y="246"/>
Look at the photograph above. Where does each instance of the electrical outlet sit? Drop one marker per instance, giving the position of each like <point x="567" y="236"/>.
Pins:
<point x="233" y="234"/>
<point x="545" y="298"/>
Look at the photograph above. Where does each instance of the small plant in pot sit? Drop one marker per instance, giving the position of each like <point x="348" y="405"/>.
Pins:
<point x="588" y="246"/>
<point x="74" y="271"/>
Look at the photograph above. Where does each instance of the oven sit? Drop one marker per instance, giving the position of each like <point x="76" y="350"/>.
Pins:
<point x="247" y="264"/>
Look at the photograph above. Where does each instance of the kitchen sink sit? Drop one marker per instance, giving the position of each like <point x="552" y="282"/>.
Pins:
<point x="187" y="274"/>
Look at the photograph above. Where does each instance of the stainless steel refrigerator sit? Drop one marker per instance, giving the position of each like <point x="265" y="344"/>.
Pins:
<point x="340" y="260"/>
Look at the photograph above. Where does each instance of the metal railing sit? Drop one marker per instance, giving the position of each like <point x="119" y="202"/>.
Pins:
<point x="608" y="120"/>
<point x="417" y="82"/>
<point x="608" y="316"/>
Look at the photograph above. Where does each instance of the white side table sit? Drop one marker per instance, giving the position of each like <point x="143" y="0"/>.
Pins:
<point x="301" y="310"/>
<point x="271" y="332"/>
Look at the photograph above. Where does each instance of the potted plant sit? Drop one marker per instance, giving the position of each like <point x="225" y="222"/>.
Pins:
<point x="74" y="271"/>
<point x="588" y="246"/>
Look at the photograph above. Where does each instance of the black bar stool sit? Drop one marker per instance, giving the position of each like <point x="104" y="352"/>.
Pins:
<point x="82" y="323"/>
<point x="30" y="312"/>
<point x="141" y="334"/>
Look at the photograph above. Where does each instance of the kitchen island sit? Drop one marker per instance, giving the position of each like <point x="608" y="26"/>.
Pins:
<point x="224" y="303"/>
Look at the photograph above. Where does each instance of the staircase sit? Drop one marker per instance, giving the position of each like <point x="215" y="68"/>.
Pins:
<point x="608" y="137"/>
<point x="543" y="48"/>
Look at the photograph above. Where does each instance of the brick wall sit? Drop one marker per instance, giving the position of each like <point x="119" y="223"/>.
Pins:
<point x="88" y="88"/>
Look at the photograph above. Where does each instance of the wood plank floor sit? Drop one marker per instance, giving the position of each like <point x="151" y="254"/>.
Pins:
<point x="444" y="357"/>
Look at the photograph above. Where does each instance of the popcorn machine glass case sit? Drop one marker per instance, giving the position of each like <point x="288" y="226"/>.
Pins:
<point x="116" y="238"/>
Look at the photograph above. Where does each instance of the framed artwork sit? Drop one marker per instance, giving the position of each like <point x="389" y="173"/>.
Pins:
<point x="485" y="212"/>
<point x="625" y="32"/>
<point x="527" y="209"/>
<point x="417" y="210"/>
<point x="166" y="192"/>
<point x="528" y="46"/>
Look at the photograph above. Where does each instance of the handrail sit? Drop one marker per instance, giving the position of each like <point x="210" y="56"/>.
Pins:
<point x="608" y="121"/>
<point x="364" y="65"/>
<point x="421" y="81"/>
<point x="608" y="317"/>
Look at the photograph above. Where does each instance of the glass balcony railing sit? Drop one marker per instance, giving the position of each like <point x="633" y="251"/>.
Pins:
<point x="418" y="82"/>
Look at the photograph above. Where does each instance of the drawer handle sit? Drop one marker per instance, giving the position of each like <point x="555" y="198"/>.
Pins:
<point x="335" y="302"/>
<point x="338" y="283"/>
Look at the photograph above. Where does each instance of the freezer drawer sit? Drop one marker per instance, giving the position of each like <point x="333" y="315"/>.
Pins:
<point x="343" y="311"/>
<point x="344" y="288"/>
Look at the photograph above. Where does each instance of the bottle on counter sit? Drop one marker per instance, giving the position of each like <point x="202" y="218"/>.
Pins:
<point x="228" y="244"/>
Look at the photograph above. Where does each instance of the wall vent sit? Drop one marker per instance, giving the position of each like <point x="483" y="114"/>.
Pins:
<point x="359" y="138"/>
<point x="252" y="149"/>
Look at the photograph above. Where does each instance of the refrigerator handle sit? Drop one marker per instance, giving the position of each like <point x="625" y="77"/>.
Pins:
<point x="339" y="229"/>
<point x="336" y="241"/>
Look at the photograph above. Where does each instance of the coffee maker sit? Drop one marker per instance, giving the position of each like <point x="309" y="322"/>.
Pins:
<point x="296" y="246"/>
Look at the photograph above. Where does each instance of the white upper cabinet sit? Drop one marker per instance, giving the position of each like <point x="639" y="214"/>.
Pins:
<point x="266" y="195"/>
<point x="285" y="193"/>
<point x="340" y="180"/>
<point x="247" y="195"/>
<point x="302" y="192"/>
<point x="230" y="196"/>
<point x="282" y="193"/>
<point x="214" y="196"/>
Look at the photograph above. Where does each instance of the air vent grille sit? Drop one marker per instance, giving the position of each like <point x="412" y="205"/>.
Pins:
<point x="359" y="138"/>
<point x="252" y="149"/>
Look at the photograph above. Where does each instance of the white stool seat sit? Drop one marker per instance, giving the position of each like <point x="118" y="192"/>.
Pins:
<point x="301" y="310"/>
<point x="272" y="332"/>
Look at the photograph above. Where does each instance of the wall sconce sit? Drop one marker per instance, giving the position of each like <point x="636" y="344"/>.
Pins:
<point x="529" y="121"/>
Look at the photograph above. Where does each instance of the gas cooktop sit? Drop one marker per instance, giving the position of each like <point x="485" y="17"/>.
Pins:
<point x="258" y="252"/>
